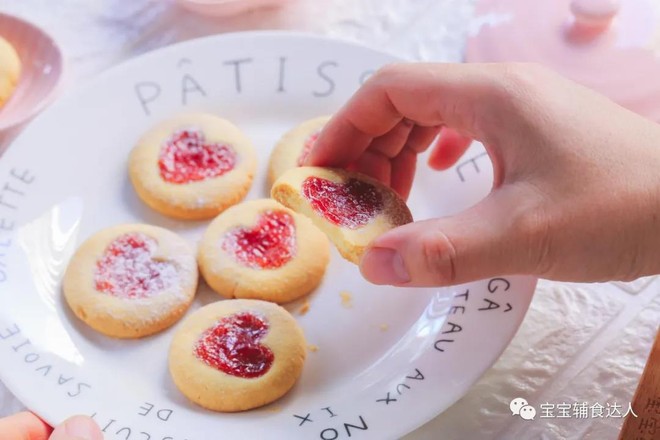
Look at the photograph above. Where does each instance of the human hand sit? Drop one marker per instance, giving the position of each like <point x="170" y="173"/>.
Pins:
<point x="576" y="191"/>
<point x="27" y="426"/>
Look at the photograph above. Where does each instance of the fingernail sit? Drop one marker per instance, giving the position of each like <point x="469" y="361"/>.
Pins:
<point x="384" y="266"/>
<point x="81" y="427"/>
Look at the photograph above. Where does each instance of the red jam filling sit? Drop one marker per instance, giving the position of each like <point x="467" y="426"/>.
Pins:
<point x="307" y="147"/>
<point x="187" y="157"/>
<point x="232" y="346"/>
<point x="127" y="270"/>
<point x="270" y="244"/>
<point x="352" y="204"/>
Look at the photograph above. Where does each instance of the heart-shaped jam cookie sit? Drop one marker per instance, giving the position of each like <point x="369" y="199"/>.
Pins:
<point x="237" y="355"/>
<point x="233" y="346"/>
<point x="187" y="157"/>
<point x="262" y="250"/>
<point x="270" y="244"/>
<point x="127" y="268"/>
<point x="351" y="204"/>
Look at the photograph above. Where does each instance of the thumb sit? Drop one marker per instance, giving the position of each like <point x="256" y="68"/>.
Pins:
<point x="499" y="236"/>
<point x="77" y="428"/>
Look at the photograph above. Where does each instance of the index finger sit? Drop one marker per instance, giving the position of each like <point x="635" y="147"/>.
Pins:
<point x="429" y="95"/>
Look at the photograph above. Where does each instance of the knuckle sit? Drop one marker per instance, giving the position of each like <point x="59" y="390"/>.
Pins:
<point x="439" y="256"/>
<point x="513" y="95"/>
<point x="388" y="71"/>
<point x="533" y="226"/>
<point x="385" y="72"/>
<point x="521" y="81"/>
<point x="391" y="68"/>
<point x="526" y="75"/>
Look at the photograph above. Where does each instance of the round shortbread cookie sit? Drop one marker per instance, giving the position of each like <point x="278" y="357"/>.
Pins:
<point x="193" y="166"/>
<point x="235" y="355"/>
<point x="10" y="70"/>
<point x="130" y="281"/>
<point x="351" y="208"/>
<point x="263" y="250"/>
<point x="292" y="149"/>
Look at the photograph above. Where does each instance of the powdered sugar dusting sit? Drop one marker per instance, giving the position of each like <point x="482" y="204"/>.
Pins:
<point x="127" y="269"/>
<point x="270" y="244"/>
<point x="187" y="157"/>
<point x="352" y="204"/>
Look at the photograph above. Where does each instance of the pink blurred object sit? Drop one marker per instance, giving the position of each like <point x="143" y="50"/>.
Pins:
<point x="595" y="13"/>
<point x="225" y="8"/>
<point x="41" y="71"/>
<point x="610" y="46"/>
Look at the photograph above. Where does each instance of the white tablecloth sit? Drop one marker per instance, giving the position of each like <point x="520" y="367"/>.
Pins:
<point x="579" y="343"/>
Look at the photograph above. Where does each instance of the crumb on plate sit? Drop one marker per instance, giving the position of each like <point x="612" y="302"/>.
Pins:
<point x="383" y="327"/>
<point x="304" y="308"/>
<point x="313" y="348"/>
<point x="346" y="299"/>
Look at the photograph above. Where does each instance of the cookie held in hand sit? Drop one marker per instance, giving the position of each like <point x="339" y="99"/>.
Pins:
<point x="351" y="208"/>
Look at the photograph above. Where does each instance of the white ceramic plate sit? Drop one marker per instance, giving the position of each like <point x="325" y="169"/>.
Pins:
<point x="384" y="366"/>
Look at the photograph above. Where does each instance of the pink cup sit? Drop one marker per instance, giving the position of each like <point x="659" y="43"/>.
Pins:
<point x="226" y="8"/>
<point x="41" y="71"/>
